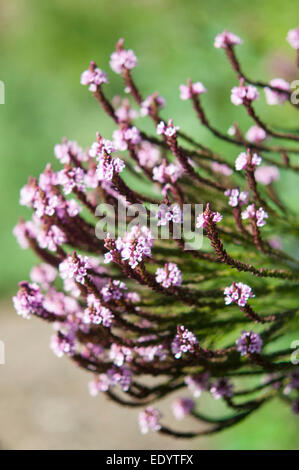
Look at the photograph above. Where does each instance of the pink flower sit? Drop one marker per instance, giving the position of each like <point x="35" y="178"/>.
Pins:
<point x="63" y="152"/>
<point x="236" y="197"/>
<point x="101" y="147"/>
<point x="149" y="420"/>
<point x="249" y="343"/>
<point x="43" y="274"/>
<point x="122" y="59"/>
<point x="259" y="215"/>
<point x="120" y="354"/>
<point x="62" y="344"/>
<point x="133" y="248"/>
<point x="187" y="91"/>
<point x="169" y="276"/>
<point x="275" y="97"/>
<point x="122" y="138"/>
<point x="256" y="134"/>
<point x="75" y="267"/>
<point x="266" y="174"/>
<point x="73" y="208"/>
<point x="293" y="38"/>
<point x="184" y="342"/>
<point x="51" y="237"/>
<point x="96" y="314"/>
<point x="225" y="39"/>
<point x="108" y="167"/>
<point x="243" y="94"/>
<point x="168" y="214"/>
<point x="148" y="154"/>
<point x="208" y="216"/>
<point x="29" y="300"/>
<point x="70" y="178"/>
<point x="149" y="102"/>
<point x="197" y="383"/>
<point x="167" y="129"/>
<point x="182" y="407"/>
<point x="243" y="160"/>
<point x="93" y="77"/>
<point x="222" y="388"/>
<point x="221" y="168"/>
<point x="238" y="293"/>
<point x="124" y="111"/>
<point x="21" y="230"/>
<point x="167" y="173"/>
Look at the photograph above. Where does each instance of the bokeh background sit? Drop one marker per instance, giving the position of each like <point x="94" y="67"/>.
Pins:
<point x="44" y="402"/>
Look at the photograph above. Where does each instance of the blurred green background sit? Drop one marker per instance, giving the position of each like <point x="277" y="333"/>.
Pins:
<point x="46" y="45"/>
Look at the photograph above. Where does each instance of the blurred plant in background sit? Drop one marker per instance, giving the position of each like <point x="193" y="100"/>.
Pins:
<point x="175" y="328"/>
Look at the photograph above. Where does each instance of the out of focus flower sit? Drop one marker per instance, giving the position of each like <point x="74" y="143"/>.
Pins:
<point x="182" y="407"/>
<point x="276" y="97"/>
<point x="243" y="94"/>
<point x="149" y="420"/>
<point x="266" y="174"/>
<point x="225" y="39"/>
<point x="249" y="343"/>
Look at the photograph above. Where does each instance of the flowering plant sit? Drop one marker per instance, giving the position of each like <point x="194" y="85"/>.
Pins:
<point x="132" y="305"/>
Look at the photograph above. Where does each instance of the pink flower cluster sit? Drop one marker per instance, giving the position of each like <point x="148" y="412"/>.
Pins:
<point x="169" y="130"/>
<point x="122" y="59"/>
<point x="243" y="94"/>
<point x="93" y="77"/>
<point x="244" y="160"/>
<point x="149" y="420"/>
<point x="266" y="174"/>
<point x="151" y="101"/>
<point x="256" y="134"/>
<point x="197" y="383"/>
<point x="122" y="138"/>
<point x="259" y="215"/>
<point x="236" y="197"/>
<point x="222" y="388"/>
<point x="293" y="38"/>
<point x="133" y="247"/>
<point x="168" y="214"/>
<point x="167" y="173"/>
<point x="274" y="97"/>
<point x="225" y="39"/>
<point x="96" y="314"/>
<point x="182" y="407"/>
<point x="238" y="293"/>
<point x="115" y="376"/>
<point x="208" y="216"/>
<point x="169" y="276"/>
<point x="249" y="343"/>
<point x="192" y="89"/>
<point x="184" y="342"/>
<point x="75" y="267"/>
<point x="29" y="300"/>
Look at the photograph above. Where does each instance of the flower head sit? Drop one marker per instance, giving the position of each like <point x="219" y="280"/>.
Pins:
<point x="75" y="267"/>
<point x="243" y="94"/>
<point x="256" y="134"/>
<point x="222" y="388"/>
<point x="226" y="39"/>
<point x="197" y="383"/>
<point x="277" y="97"/>
<point x="244" y="160"/>
<point x="258" y="215"/>
<point x="192" y="89"/>
<point x="122" y="58"/>
<point x="238" y="293"/>
<point x="29" y="300"/>
<point x="236" y="197"/>
<point x="182" y="407"/>
<point x="293" y="38"/>
<point x="150" y="103"/>
<point x="149" y="420"/>
<point x="94" y="77"/>
<point x="266" y="174"/>
<point x="169" y="130"/>
<point x="208" y="216"/>
<point x="184" y="342"/>
<point x="169" y="276"/>
<point x="249" y="343"/>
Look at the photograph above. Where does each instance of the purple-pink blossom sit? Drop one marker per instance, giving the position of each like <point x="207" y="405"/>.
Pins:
<point x="43" y="274"/>
<point x="225" y="39"/>
<point x="75" y="267"/>
<point x="259" y="215"/>
<point x="182" y="407"/>
<point x="293" y="38"/>
<point x="153" y="100"/>
<point x="243" y="94"/>
<point x="238" y="293"/>
<point x="169" y="213"/>
<point x="68" y="149"/>
<point x="221" y="168"/>
<point x="29" y="300"/>
<point x="169" y="130"/>
<point x="122" y="59"/>
<point x="149" y="420"/>
<point x="167" y="173"/>
<point x="222" y="387"/>
<point x="274" y="97"/>
<point x="256" y="134"/>
<point x="249" y="343"/>
<point x="93" y="77"/>
<point x="169" y="276"/>
<point x="267" y="174"/>
<point x="208" y="216"/>
<point x="236" y="197"/>
<point x="192" y="89"/>
<point x="184" y="342"/>
<point x="197" y="383"/>
<point x="244" y="160"/>
<point x="148" y="154"/>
